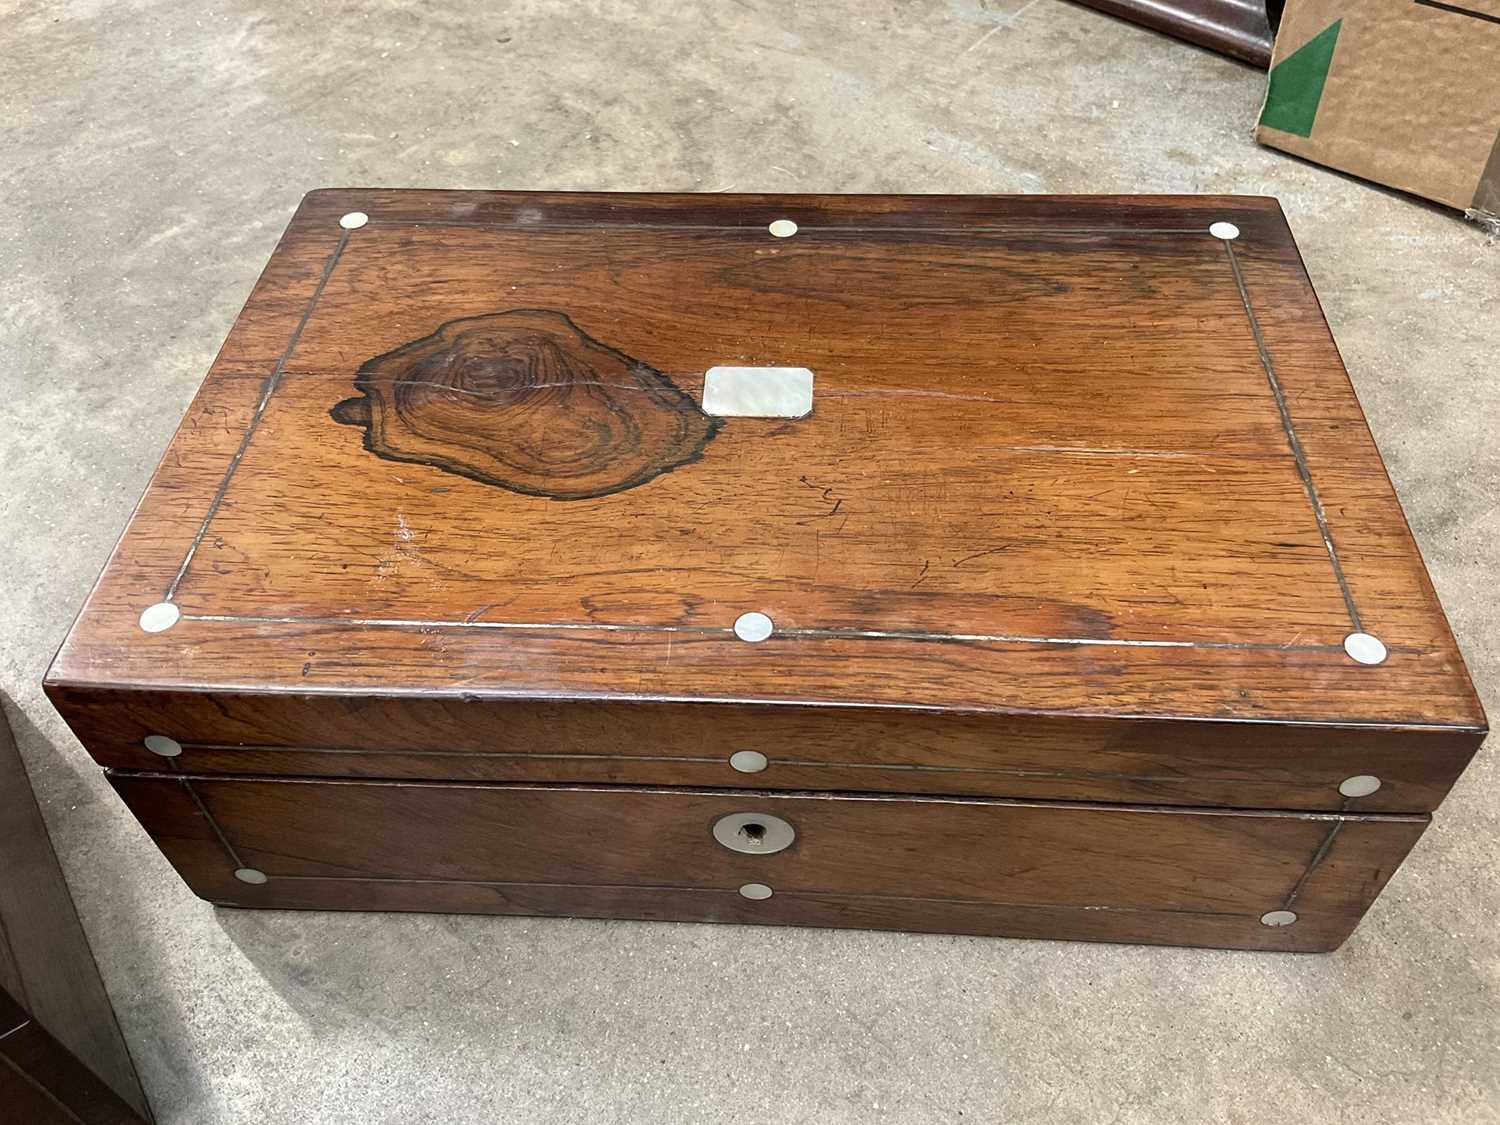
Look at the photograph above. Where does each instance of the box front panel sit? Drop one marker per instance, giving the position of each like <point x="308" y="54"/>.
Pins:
<point x="1138" y="874"/>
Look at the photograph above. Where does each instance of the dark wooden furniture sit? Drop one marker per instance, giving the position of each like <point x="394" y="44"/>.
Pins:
<point x="1241" y="29"/>
<point x="62" y="1060"/>
<point x="1077" y="602"/>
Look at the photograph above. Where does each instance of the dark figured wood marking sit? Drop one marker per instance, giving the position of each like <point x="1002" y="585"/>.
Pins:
<point x="528" y="401"/>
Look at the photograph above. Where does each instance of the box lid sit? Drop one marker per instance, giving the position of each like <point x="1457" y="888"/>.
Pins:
<point x="1090" y="455"/>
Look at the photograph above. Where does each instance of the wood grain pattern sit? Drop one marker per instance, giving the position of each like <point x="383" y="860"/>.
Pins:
<point x="1177" y="762"/>
<point x="980" y="866"/>
<point x="1045" y="472"/>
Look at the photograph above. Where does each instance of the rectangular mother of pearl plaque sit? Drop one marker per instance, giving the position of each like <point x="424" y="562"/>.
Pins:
<point x="758" y="392"/>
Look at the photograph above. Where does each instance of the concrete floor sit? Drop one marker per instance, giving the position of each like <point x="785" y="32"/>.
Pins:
<point x="152" y="152"/>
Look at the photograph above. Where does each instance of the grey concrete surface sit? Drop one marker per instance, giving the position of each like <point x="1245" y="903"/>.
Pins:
<point x="152" y="152"/>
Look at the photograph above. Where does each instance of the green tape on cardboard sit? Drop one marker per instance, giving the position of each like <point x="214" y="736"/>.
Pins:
<point x="1296" y="85"/>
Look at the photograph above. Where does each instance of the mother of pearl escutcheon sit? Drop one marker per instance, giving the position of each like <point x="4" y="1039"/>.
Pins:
<point x="754" y="833"/>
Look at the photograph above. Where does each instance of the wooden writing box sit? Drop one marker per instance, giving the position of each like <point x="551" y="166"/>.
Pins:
<point x="1040" y="577"/>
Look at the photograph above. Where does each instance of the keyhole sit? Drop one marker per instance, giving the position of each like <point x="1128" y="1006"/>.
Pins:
<point x="753" y="833"/>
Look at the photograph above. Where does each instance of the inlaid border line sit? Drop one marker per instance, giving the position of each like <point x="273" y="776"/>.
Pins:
<point x="805" y="763"/>
<point x="1298" y="453"/>
<point x="238" y="748"/>
<point x="759" y="230"/>
<point x="404" y="880"/>
<point x="1011" y="638"/>
<point x="424" y="623"/>
<point x="716" y="631"/>
<point x="1312" y="865"/>
<point x="272" y="381"/>
<point x="212" y="823"/>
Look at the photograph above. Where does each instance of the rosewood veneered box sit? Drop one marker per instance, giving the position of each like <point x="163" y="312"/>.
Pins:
<point x="997" y="565"/>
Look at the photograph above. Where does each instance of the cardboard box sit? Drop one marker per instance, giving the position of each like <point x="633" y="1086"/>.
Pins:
<point x="1403" y="92"/>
